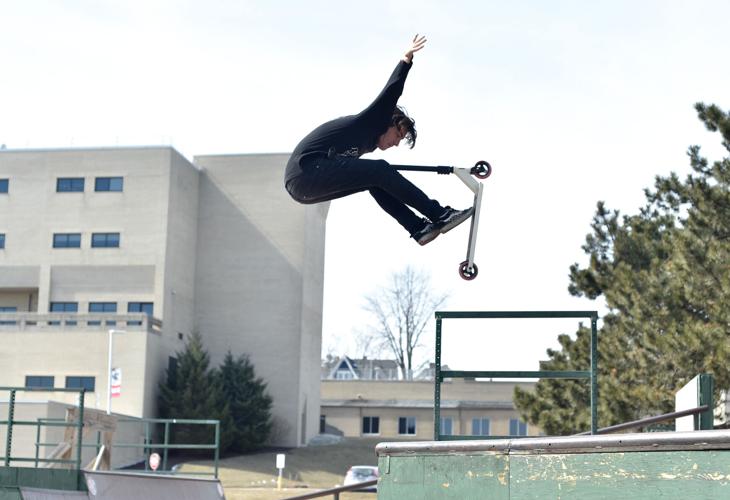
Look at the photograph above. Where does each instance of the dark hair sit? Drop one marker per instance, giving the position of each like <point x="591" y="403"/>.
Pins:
<point x="401" y="120"/>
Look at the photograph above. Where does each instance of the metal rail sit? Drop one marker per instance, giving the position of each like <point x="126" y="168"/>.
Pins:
<point x="648" y="420"/>
<point x="335" y="492"/>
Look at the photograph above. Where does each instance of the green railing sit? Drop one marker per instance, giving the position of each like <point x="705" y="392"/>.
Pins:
<point x="148" y="445"/>
<point x="165" y="446"/>
<point x="7" y="458"/>
<point x="440" y="374"/>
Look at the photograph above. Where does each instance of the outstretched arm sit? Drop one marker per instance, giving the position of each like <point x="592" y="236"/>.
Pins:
<point x="416" y="45"/>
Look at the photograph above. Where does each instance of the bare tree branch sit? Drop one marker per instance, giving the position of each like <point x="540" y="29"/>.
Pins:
<point x="401" y="312"/>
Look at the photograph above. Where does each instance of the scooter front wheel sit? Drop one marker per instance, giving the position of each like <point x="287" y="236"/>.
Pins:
<point x="481" y="170"/>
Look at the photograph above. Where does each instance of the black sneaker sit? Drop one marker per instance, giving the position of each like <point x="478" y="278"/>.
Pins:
<point x="452" y="218"/>
<point x="427" y="233"/>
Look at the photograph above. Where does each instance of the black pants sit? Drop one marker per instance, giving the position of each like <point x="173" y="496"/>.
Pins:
<point x="325" y="179"/>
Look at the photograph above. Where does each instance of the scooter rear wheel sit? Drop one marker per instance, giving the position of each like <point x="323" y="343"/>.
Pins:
<point x="468" y="273"/>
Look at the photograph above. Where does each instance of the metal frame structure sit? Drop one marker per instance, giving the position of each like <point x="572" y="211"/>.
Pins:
<point x="11" y="422"/>
<point x="148" y="445"/>
<point x="467" y="269"/>
<point x="440" y="374"/>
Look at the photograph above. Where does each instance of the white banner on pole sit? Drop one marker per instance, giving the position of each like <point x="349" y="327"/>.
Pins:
<point x="116" y="382"/>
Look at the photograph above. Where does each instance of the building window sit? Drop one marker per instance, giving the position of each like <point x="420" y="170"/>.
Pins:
<point x="8" y="309"/>
<point x="517" y="427"/>
<point x="4" y="184"/>
<point x="101" y="308"/>
<point x="480" y="427"/>
<point x="87" y="383"/>
<point x="38" y="381"/>
<point x="109" y="184"/>
<point x="447" y="426"/>
<point x="137" y="307"/>
<point x="322" y="424"/>
<point x="407" y="426"/>
<point x="105" y="240"/>
<point x="70" y="185"/>
<point x="171" y="371"/>
<point x="64" y="307"/>
<point x="2" y="240"/>
<point x="67" y="240"/>
<point x="344" y="375"/>
<point x="371" y="425"/>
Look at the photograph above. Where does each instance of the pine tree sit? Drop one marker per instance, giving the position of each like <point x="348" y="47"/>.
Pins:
<point x="192" y="391"/>
<point x="664" y="275"/>
<point x="249" y="403"/>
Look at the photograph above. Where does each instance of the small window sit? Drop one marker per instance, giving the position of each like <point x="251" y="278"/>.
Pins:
<point x="105" y="240"/>
<point x="480" y="427"/>
<point x="70" y="185"/>
<point x="2" y="240"/>
<point x="137" y="307"/>
<point x="100" y="308"/>
<point x="371" y="425"/>
<point x="517" y="427"/>
<point x="64" y="307"/>
<point x="4" y="184"/>
<point x="407" y="426"/>
<point x="447" y="426"/>
<point x="67" y="240"/>
<point x="8" y="309"/>
<point x="171" y="371"/>
<point x="109" y="184"/>
<point x="87" y="383"/>
<point x="38" y="382"/>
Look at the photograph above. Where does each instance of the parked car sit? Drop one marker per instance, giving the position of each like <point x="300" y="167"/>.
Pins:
<point x="361" y="473"/>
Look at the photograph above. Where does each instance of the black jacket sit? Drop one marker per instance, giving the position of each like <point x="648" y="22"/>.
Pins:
<point x="352" y="135"/>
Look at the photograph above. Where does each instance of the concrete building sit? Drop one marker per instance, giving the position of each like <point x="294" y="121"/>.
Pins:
<point x="399" y="409"/>
<point x="143" y="241"/>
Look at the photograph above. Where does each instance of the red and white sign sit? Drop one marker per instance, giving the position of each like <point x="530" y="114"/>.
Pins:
<point x="154" y="461"/>
<point x="116" y="382"/>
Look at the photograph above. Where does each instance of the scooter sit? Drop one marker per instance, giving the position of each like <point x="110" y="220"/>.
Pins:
<point x="481" y="170"/>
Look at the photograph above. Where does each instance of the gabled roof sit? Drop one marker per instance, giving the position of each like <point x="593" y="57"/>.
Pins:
<point x="344" y="363"/>
<point x="364" y="368"/>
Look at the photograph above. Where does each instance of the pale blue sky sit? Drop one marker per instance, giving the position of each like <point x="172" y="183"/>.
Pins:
<point x="571" y="101"/>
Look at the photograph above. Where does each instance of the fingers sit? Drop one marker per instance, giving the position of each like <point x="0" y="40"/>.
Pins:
<point x="418" y="42"/>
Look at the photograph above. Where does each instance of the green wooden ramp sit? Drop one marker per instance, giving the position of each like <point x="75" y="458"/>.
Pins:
<point x="667" y="465"/>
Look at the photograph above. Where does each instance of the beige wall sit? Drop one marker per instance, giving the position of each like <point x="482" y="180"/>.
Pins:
<point x="457" y="389"/>
<point x="259" y="282"/>
<point x="62" y="353"/>
<point x="23" y="301"/>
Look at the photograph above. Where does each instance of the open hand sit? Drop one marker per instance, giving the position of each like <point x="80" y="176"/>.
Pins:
<point x="416" y="45"/>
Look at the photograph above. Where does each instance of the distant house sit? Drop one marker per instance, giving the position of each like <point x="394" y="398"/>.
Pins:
<point x="346" y="368"/>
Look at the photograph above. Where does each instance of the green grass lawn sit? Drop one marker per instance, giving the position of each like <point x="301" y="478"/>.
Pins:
<point x="253" y="476"/>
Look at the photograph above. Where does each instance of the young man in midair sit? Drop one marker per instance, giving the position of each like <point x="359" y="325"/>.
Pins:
<point x="326" y="164"/>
